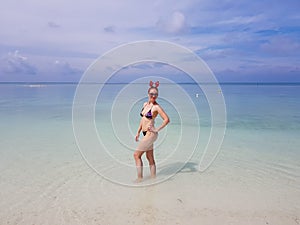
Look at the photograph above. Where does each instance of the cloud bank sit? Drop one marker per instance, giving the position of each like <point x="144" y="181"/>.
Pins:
<point x="247" y="38"/>
<point x="14" y="63"/>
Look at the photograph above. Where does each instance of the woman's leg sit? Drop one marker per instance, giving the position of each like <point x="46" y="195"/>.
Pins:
<point x="152" y="165"/>
<point x="139" y="163"/>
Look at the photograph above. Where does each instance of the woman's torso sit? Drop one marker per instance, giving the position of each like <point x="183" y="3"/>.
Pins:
<point x="149" y="113"/>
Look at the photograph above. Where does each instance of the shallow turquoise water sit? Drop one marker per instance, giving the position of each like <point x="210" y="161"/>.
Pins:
<point x="262" y="136"/>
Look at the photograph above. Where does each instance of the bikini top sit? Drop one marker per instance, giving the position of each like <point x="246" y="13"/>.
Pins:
<point x="148" y="114"/>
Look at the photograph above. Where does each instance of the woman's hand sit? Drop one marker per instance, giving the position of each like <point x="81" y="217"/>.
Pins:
<point x="151" y="129"/>
<point x="137" y="137"/>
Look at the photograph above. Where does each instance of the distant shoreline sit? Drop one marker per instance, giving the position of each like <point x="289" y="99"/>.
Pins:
<point x="118" y="83"/>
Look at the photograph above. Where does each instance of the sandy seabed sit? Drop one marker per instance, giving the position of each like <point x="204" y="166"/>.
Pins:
<point x="40" y="190"/>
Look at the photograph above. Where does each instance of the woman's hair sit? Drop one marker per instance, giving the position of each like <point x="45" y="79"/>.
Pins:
<point x="150" y="88"/>
<point x="153" y="86"/>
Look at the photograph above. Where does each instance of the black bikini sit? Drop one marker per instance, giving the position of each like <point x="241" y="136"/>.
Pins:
<point x="148" y="114"/>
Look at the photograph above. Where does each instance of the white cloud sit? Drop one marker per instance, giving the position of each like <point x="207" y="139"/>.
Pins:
<point x="240" y="20"/>
<point x="173" y="24"/>
<point x="227" y="30"/>
<point x="14" y="63"/>
<point x="64" y="68"/>
<point x="281" y="46"/>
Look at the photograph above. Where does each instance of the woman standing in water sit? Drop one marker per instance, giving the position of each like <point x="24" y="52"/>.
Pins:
<point x="148" y="113"/>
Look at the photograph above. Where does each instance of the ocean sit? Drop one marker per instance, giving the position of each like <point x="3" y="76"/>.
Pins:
<point x="60" y="168"/>
<point x="262" y="124"/>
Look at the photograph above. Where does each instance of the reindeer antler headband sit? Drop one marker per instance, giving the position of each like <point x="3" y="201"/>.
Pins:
<point x="156" y="84"/>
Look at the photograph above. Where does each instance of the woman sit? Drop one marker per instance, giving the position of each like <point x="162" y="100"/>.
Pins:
<point x="148" y="113"/>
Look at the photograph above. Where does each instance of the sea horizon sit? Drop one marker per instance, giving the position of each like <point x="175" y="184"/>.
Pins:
<point x="204" y="83"/>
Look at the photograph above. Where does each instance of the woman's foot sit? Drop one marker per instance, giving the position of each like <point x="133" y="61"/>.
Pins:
<point x="138" y="180"/>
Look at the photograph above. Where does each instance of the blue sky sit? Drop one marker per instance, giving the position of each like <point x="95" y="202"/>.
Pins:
<point x="256" y="41"/>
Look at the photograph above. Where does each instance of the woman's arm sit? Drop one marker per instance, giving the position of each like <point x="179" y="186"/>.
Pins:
<point x="140" y="126"/>
<point x="165" y="118"/>
<point x="138" y="132"/>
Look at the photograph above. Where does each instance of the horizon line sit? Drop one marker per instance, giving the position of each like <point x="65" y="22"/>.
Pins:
<point x="115" y="83"/>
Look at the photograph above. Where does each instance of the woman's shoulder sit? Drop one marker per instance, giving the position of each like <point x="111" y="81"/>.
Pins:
<point x="156" y="105"/>
<point x="159" y="108"/>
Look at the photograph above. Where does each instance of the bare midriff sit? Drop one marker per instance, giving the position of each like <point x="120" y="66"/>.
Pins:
<point x="147" y="123"/>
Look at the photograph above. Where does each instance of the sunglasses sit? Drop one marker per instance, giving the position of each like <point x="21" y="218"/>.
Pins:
<point x="153" y="94"/>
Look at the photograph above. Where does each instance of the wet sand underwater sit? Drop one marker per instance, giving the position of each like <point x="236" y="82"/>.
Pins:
<point x="44" y="179"/>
